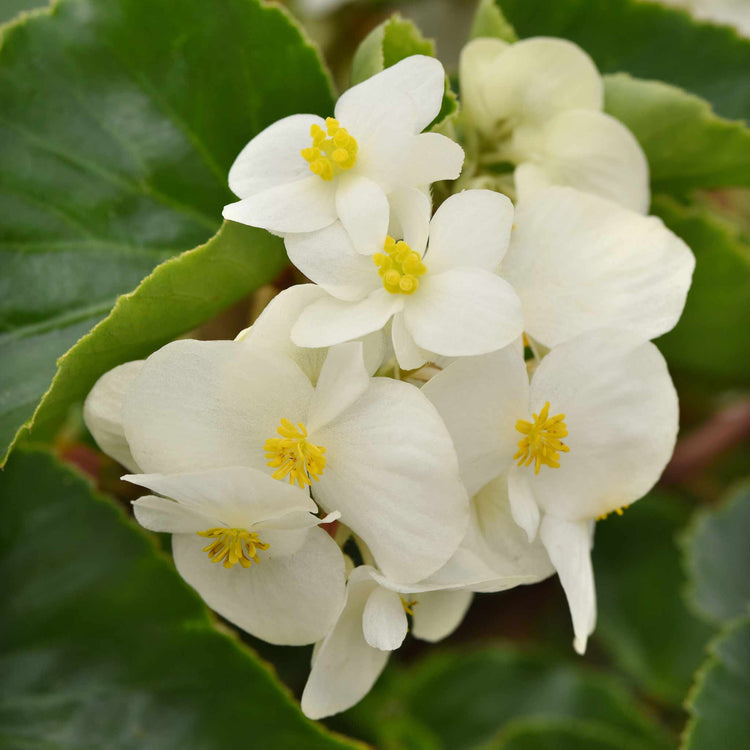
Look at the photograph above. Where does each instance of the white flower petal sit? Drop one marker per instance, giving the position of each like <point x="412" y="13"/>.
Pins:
<point x="410" y="217"/>
<point x="463" y="312"/>
<point x="480" y="399"/>
<point x="471" y="228"/>
<point x="274" y="156"/>
<point x="273" y="328"/>
<point x="495" y="554"/>
<point x="621" y="414"/>
<point x="290" y="600"/>
<point x="392" y="472"/>
<point x="328" y="258"/>
<point x="476" y="76"/>
<point x="529" y="82"/>
<point x="305" y="205"/>
<point x="515" y="560"/>
<point x="363" y="211"/>
<point x="345" y="667"/>
<point x="102" y="412"/>
<point x="593" y="152"/>
<point x="580" y="262"/>
<point x="569" y="548"/>
<point x="417" y="81"/>
<point x="331" y="321"/>
<point x="163" y="515"/>
<point x="522" y="504"/>
<point x="438" y="613"/>
<point x="384" y="620"/>
<point x="432" y="157"/>
<point x="207" y="404"/>
<point x="342" y="381"/>
<point x="408" y="354"/>
<point x="235" y="496"/>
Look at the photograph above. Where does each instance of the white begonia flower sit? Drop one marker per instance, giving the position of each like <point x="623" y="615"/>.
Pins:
<point x="251" y="547"/>
<point x="373" y="449"/>
<point x="303" y="173"/>
<point x="495" y="555"/>
<point x="372" y="623"/>
<point x="579" y="262"/>
<point x="537" y="104"/>
<point x="445" y="299"/>
<point x="590" y="434"/>
<point x="273" y="330"/>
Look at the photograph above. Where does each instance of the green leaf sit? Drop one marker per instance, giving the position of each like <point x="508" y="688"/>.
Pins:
<point x="717" y="558"/>
<point x="688" y="146"/>
<point x="648" y="41"/>
<point x="176" y="297"/>
<point x="643" y="622"/>
<point x="467" y="699"/>
<point x="103" y="646"/>
<point x="392" y="41"/>
<point x="120" y="120"/>
<point x="709" y="340"/>
<point x="11" y="8"/>
<point x="490" y="21"/>
<point x="718" y="703"/>
<point x="558" y="734"/>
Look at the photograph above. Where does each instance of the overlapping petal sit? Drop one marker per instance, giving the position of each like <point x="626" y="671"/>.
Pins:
<point x="580" y="262"/>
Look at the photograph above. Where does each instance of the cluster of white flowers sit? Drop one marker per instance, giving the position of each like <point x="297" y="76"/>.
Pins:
<point x="543" y="405"/>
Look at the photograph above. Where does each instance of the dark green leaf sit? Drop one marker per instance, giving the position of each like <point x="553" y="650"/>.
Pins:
<point x="119" y="122"/>
<point x="718" y="703"/>
<point x="647" y="40"/>
<point x="387" y="44"/>
<point x="717" y="558"/>
<point x="558" y="734"/>
<point x="688" y="146"/>
<point x="11" y="8"/>
<point x="465" y="700"/>
<point x="710" y="340"/>
<point x="103" y="646"/>
<point x="643" y="622"/>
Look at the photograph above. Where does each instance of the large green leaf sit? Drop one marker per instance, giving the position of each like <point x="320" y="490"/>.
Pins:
<point x="688" y="146"/>
<point x="387" y="44"/>
<point x="103" y="646"/>
<point x="11" y="8"/>
<point x="717" y="558"/>
<point x="176" y="297"/>
<point x="718" y="703"/>
<point x="119" y="122"/>
<point x="643" y="621"/>
<point x="647" y="40"/>
<point x="558" y="734"/>
<point x="709" y="340"/>
<point x="462" y="700"/>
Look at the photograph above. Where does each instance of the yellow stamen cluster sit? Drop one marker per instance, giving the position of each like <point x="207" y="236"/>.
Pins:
<point x="293" y="455"/>
<point x="329" y="155"/>
<point x="542" y="441"/>
<point x="409" y="606"/>
<point x="399" y="267"/>
<point x="619" y="512"/>
<point x="232" y="546"/>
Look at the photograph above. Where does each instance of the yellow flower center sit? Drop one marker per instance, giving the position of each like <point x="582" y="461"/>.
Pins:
<point x="232" y="546"/>
<point x="408" y="605"/>
<point x="293" y="455"/>
<point x="329" y="155"/>
<point x="542" y="441"/>
<point x="399" y="267"/>
<point x="619" y="512"/>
